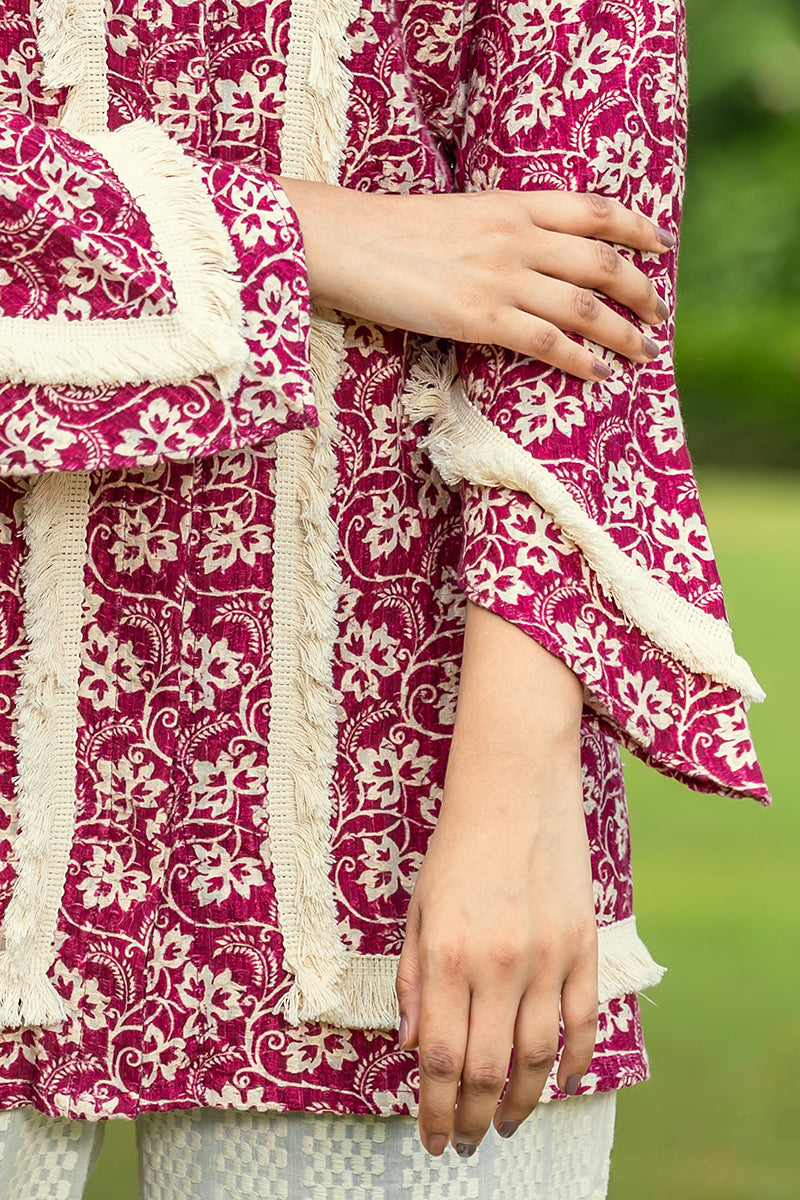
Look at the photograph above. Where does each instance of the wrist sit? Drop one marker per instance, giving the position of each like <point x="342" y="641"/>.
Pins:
<point x="514" y="696"/>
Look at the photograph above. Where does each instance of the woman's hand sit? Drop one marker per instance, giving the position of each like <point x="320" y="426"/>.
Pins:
<point x="512" y="269"/>
<point x="501" y="925"/>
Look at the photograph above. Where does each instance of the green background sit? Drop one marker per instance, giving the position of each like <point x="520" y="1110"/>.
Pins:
<point x="716" y="879"/>
<point x="738" y="340"/>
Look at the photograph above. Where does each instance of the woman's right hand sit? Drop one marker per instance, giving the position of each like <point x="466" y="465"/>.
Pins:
<point x="512" y="269"/>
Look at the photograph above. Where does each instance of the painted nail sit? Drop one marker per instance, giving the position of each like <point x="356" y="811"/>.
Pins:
<point x="572" y="1085"/>
<point x="506" y="1128"/>
<point x="665" y="237"/>
<point x="437" y="1144"/>
<point x="402" y="1035"/>
<point x="650" y="348"/>
<point x="661" y="309"/>
<point x="601" y="369"/>
<point x="465" y="1149"/>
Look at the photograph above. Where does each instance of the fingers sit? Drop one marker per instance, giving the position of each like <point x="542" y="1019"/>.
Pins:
<point x="578" y="310"/>
<point x="408" y="983"/>
<point x="579" y="1017"/>
<point x="443" y="1023"/>
<point x="535" y="338"/>
<point x="535" y="1050"/>
<point x="597" y="265"/>
<point x="534" y="1034"/>
<point x="592" y="215"/>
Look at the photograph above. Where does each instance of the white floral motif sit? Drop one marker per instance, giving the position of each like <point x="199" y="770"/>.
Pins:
<point x="219" y="874"/>
<point x="108" y="879"/>
<point x="389" y="768"/>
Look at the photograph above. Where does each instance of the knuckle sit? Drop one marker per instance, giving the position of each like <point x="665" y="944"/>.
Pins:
<point x="609" y="261"/>
<point x="587" y="306"/>
<point x="484" y="1078"/>
<point x="633" y="341"/>
<point x="439" y="1062"/>
<point x="403" y="986"/>
<point x="548" y="954"/>
<point x="443" y="958"/>
<point x="599" y="208"/>
<point x="538" y="1057"/>
<point x="506" y="956"/>
<point x="586" y="1018"/>
<point x="546" y="340"/>
<point x="504" y="227"/>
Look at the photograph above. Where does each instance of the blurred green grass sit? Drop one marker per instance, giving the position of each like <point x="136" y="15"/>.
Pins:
<point x="716" y="901"/>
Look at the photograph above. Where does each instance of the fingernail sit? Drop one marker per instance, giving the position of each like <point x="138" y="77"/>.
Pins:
<point x="650" y="348"/>
<point x="601" y="369"/>
<point x="506" y="1128"/>
<point x="402" y="1034"/>
<point x="665" y="237"/>
<point x="436" y="1144"/>
<point x="661" y="309"/>
<point x="465" y="1149"/>
<point x="572" y="1085"/>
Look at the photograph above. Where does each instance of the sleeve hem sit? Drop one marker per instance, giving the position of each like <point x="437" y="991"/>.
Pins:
<point x="464" y="444"/>
<point x="202" y="336"/>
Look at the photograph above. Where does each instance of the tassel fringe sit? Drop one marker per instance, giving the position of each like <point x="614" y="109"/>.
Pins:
<point x="307" y="581"/>
<point x="72" y="43"/>
<point x="464" y="444"/>
<point x="624" y="964"/>
<point x="366" y="996"/>
<point x="205" y="333"/>
<point x="56" y="512"/>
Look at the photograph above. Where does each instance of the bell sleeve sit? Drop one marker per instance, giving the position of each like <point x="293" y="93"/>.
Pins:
<point x="153" y="303"/>
<point x="581" y="518"/>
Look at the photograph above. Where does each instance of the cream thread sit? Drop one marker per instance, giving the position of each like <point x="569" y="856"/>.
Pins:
<point x="303" y="732"/>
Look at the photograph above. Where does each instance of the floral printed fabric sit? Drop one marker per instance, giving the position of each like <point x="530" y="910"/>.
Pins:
<point x="592" y="96"/>
<point x="169" y="950"/>
<point x="75" y="246"/>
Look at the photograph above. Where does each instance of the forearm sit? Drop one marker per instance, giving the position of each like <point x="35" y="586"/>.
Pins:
<point x="518" y="714"/>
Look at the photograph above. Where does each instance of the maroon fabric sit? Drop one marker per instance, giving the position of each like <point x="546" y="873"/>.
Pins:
<point x="169" y="945"/>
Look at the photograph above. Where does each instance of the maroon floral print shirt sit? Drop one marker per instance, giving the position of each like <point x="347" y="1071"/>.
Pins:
<point x="286" y="512"/>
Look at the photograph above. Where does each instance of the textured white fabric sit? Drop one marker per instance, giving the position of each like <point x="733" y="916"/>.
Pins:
<point x="561" y="1152"/>
<point x="46" y="1158"/>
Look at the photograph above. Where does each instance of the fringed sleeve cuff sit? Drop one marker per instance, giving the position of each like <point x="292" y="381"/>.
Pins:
<point x="645" y="633"/>
<point x="152" y="305"/>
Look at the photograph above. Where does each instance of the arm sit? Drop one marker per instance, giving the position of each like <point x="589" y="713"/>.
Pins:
<point x="515" y="269"/>
<point x="501" y="925"/>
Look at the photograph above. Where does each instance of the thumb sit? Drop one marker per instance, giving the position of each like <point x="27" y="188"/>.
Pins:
<point x="407" y="985"/>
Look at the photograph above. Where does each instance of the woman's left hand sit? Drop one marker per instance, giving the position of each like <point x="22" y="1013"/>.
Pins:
<point x="501" y="929"/>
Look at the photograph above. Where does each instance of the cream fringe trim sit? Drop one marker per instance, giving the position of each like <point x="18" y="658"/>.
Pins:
<point x="302" y="742"/>
<point x="464" y="444"/>
<point x="302" y="745"/>
<point x="624" y="965"/>
<point x="203" y="336"/>
<point x="56" y="511"/>
<point x="72" y="43"/>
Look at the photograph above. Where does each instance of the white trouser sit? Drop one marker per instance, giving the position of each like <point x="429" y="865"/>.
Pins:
<point x="561" y="1152"/>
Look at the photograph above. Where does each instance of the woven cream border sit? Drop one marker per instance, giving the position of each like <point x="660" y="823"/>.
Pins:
<point x="302" y="744"/>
